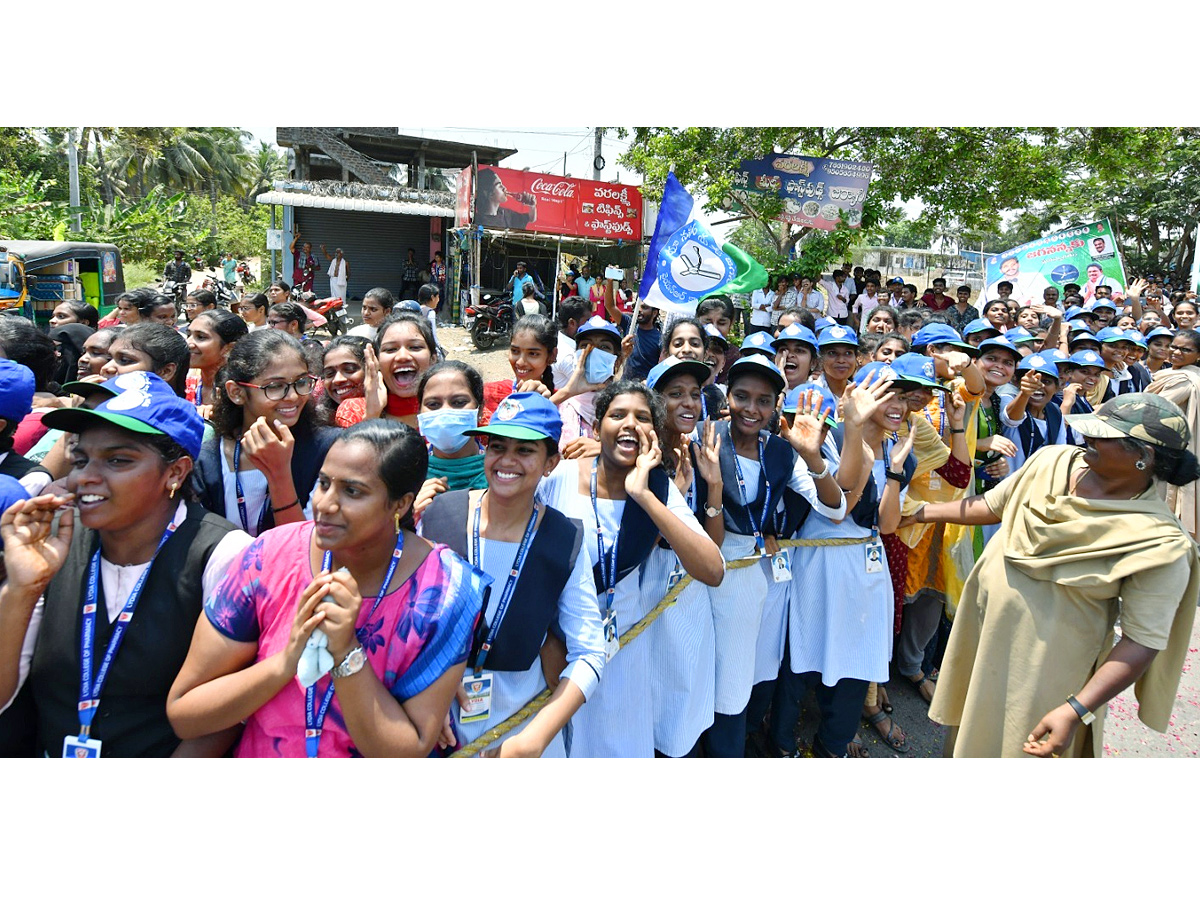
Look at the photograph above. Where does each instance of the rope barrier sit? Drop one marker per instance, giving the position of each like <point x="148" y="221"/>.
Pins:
<point x="535" y="705"/>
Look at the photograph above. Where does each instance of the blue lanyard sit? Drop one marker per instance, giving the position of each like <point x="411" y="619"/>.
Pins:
<point x="509" y="586"/>
<point x="941" y="426"/>
<point x="314" y="716"/>
<point x="199" y="394"/>
<point x="608" y="560"/>
<point x="756" y="527"/>
<point x="89" y="689"/>
<point x="241" y="498"/>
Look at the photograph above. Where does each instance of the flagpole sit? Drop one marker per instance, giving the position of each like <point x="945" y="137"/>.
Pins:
<point x="637" y="303"/>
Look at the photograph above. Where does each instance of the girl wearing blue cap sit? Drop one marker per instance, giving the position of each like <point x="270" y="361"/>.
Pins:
<point x="541" y="573"/>
<point x="1040" y="421"/>
<point x="682" y="641"/>
<point x="841" y="615"/>
<point x="626" y="501"/>
<point x="134" y="550"/>
<point x="756" y="468"/>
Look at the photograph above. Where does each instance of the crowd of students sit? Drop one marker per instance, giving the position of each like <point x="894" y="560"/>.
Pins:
<point x="245" y="541"/>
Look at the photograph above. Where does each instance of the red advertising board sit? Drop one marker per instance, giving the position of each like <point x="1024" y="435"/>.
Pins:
<point x="555" y="204"/>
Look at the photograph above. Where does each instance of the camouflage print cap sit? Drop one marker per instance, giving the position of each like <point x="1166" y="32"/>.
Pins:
<point x="1144" y="417"/>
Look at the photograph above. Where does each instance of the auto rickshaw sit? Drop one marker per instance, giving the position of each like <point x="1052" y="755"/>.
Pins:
<point x="35" y="276"/>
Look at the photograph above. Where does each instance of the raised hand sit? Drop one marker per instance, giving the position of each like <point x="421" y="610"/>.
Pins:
<point x="374" y="390"/>
<point x="956" y="410"/>
<point x="32" y="555"/>
<point x="268" y="446"/>
<point x="955" y="361"/>
<point x="683" y="467"/>
<point x="581" y="448"/>
<point x="805" y="432"/>
<point x="1030" y="382"/>
<point x="430" y="489"/>
<point x="860" y="401"/>
<point x="902" y="449"/>
<point x="1069" y="395"/>
<point x="637" y="482"/>
<point x="708" y="460"/>
<point x="1135" y="287"/>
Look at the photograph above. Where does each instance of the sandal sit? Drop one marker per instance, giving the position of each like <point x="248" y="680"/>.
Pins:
<point x="919" y="684"/>
<point x="856" y="749"/>
<point x="885" y="701"/>
<point x="897" y="744"/>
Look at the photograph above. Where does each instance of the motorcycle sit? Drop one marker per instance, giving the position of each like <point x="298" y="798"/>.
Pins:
<point x="334" y="311"/>
<point x="175" y="289"/>
<point x="489" y="320"/>
<point x="243" y="271"/>
<point x="221" y="289"/>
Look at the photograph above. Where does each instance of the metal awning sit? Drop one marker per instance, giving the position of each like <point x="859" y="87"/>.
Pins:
<point x="356" y="204"/>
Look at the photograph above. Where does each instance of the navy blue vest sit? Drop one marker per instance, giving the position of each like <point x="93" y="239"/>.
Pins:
<point x="308" y="454"/>
<point x="534" y="606"/>
<point x="1031" y="437"/>
<point x="779" y="459"/>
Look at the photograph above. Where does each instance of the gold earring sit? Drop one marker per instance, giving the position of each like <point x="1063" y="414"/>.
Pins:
<point x="174" y="488"/>
<point x="397" y="521"/>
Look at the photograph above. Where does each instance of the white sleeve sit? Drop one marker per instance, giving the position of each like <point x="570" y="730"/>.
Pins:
<point x="802" y="483"/>
<point x="35" y="482"/>
<point x="31" y="636"/>
<point x="1006" y="398"/>
<point x="222" y="556"/>
<point x="678" y="505"/>
<point x="579" y="619"/>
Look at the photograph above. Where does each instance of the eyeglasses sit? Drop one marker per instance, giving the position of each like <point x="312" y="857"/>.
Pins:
<point x="303" y="386"/>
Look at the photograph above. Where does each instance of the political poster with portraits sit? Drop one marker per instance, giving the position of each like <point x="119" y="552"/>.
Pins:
<point x="815" y="192"/>
<point x="1086" y="255"/>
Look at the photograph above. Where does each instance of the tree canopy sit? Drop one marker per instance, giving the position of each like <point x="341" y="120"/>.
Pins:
<point x="969" y="180"/>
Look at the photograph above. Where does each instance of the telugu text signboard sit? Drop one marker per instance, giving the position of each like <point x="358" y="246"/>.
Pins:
<point x="815" y="192"/>
<point x="1086" y="255"/>
<point x="555" y="204"/>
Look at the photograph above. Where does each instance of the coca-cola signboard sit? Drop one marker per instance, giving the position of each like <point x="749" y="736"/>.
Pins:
<point x="554" y="204"/>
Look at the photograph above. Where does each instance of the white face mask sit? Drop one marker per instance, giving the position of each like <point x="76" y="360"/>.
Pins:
<point x="599" y="366"/>
<point x="444" y="428"/>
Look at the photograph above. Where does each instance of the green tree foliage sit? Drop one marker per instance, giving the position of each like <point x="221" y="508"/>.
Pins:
<point x="147" y="190"/>
<point x="968" y="175"/>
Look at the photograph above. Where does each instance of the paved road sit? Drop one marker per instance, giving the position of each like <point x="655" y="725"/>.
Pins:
<point x="1124" y="733"/>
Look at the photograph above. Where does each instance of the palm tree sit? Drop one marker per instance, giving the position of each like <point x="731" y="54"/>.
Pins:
<point x="228" y="164"/>
<point x="268" y="165"/>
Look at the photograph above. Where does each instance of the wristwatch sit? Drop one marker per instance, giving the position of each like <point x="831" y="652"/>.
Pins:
<point x="355" y="660"/>
<point x="712" y="511"/>
<point x="1086" y="716"/>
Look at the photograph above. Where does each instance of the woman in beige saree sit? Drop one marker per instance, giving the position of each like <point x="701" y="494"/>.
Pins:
<point x="1084" y="536"/>
<point x="1181" y="385"/>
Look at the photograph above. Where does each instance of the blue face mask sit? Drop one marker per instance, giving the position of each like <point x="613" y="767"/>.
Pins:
<point x="599" y="366"/>
<point x="444" y="428"/>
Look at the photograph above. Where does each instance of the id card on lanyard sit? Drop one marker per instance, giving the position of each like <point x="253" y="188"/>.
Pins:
<point x="756" y="527"/>
<point x="241" y="497"/>
<point x="84" y="746"/>
<point x="608" y="575"/>
<point x="314" y="713"/>
<point x="477" y="685"/>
